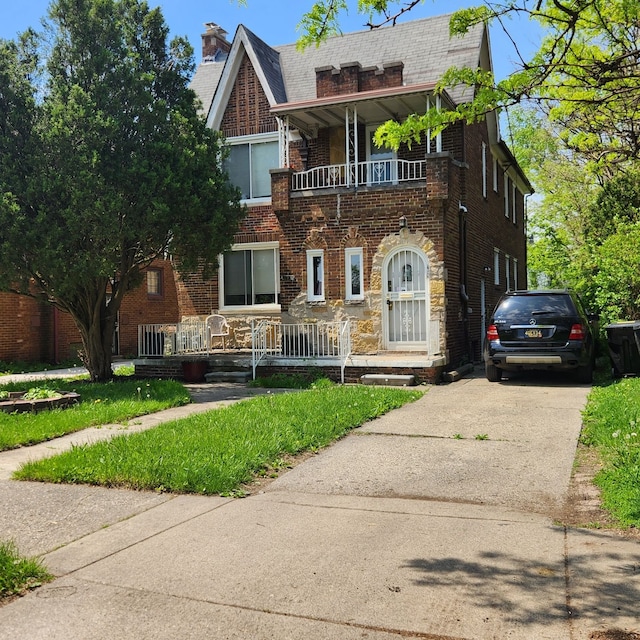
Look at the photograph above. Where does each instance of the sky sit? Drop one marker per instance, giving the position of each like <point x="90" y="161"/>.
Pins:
<point x="274" y="21"/>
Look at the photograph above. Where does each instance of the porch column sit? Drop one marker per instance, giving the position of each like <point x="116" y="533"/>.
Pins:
<point x="351" y="145"/>
<point x="284" y="139"/>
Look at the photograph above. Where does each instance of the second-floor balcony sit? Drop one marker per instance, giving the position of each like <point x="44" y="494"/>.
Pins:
<point x="370" y="173"/>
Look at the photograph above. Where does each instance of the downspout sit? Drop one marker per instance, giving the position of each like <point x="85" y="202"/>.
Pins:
<point x="464" y="297"/>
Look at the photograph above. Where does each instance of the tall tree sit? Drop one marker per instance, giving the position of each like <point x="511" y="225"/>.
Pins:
<point x="109" y="165"/>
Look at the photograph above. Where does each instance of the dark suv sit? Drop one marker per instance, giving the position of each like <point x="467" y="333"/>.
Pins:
<point x="541" y="330"/>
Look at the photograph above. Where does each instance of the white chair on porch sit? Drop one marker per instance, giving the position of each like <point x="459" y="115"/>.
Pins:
<point x="217" y="327"/>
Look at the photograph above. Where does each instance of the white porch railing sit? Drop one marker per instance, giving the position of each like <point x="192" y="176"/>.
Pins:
<point x="173" y="338"/>
<point x="373" y="172"/>
<point x="311" y="340"/>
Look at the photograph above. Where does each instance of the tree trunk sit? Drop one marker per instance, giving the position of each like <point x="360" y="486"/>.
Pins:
<point x="95" y="319"/>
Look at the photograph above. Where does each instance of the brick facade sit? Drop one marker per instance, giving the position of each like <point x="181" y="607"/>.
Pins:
<point x="447" y="214"/>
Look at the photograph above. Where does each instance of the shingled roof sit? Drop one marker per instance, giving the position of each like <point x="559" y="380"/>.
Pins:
<point x="423" y="46"/>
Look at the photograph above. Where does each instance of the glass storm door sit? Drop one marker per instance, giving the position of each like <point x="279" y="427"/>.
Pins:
<point x="406" y="310"/>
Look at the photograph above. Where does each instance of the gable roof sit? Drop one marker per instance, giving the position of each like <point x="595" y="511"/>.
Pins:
<point x="424" y="47"/>
<point x="288" y="75"/>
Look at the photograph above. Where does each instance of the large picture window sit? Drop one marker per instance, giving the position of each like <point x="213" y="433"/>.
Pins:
<point x="250" y="276"/>
<point x="249" y="163"/>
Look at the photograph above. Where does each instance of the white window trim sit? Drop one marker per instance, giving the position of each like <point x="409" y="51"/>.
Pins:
<point x="507" y="270"/>
<point x="311" y="296"/>
<point x="248" y="307"/>
<point x="495" y="174"/>
<point x="271" y="136"/>
<point x="353" y="251"/>
<point x="514" y="217"/>
<point x="515" y="274"/>
<point x="506" y="195"/>
<point x="496" y="266"/>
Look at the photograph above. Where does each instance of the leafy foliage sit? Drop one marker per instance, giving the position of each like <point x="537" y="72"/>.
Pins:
<point x="107" y="164"/>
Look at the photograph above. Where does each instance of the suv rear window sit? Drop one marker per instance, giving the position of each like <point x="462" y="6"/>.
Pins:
<point x="514" y="307"/>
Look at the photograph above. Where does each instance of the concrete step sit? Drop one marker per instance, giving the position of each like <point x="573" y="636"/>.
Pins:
<point x="392" y="380"/>
<point x="228" y="376"/>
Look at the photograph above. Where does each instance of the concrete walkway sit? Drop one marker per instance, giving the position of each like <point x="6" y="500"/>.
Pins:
<point x="413" y="526"/>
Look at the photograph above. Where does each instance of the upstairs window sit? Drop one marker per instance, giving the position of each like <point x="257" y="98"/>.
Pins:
<point x="154" y="283"/>
<point x="249" y="162"/>
<point x="506" y="195"/>
<point x="484" y="169"/>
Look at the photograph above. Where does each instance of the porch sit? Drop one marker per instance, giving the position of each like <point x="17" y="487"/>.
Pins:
<point x="276" y="348"/>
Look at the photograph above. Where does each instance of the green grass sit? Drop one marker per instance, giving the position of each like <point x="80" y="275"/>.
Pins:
<point x="19" y="574"/>
<point x="612" y="425"/>
<point x="7" y="368"/>
<point x="112" y="402"/>
<point x="216" y="452"/>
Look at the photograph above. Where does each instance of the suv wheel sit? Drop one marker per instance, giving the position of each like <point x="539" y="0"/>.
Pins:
<point x="493" y="373"/>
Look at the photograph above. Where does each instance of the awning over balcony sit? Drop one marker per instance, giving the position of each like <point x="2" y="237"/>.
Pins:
<point x="394" y="103"/>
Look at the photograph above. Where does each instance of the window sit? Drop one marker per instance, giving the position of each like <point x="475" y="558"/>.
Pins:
<point x="154" y="283"/>
<point x="506" y="195"/>
<point x="250" y="276"/>
<point x="513" y="202"/>
<point x="495" y="174"/>
<point x="484" y="169"/>
<point x="354" y="277"/>
<point x="507" y="272"/>
<point x="515" y="273"/>
<point x="496" y="266"/>
<point x="315" y="275"/>
<point x="249" y="162"/>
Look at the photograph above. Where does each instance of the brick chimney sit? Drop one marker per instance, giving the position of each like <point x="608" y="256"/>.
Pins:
<point x="214" y="41"/>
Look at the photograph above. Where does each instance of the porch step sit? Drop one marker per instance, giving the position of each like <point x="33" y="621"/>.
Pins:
<point x="392" y="380"/>
<point x="228" y="376"/>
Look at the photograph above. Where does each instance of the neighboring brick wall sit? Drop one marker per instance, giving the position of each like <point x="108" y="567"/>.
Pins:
<point x="140" y="308"/>
<point x="25" y="328"/>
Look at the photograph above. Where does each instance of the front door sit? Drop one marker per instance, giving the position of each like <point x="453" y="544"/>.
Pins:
<point x="406" y="301"/>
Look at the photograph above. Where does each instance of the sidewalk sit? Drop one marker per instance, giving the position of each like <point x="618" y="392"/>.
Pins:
<point x="408" y="528"/>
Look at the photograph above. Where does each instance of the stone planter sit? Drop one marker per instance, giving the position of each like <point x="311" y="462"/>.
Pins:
<point x="16" y="403"/>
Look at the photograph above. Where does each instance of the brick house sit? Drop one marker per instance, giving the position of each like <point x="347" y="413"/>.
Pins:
<point x="412" y="248"/>
<point x="409" y="250"/>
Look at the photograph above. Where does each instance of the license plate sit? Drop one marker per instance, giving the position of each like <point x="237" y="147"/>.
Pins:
<point x="533" y="333"/>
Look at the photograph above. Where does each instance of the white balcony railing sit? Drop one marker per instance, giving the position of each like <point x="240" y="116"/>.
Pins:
<point x="371" y="173"/>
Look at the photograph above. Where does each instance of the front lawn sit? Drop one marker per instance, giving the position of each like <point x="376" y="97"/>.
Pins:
<point x="612" y="425"/>
<point x="108" y="403"/>
<point x="216" y="452"/>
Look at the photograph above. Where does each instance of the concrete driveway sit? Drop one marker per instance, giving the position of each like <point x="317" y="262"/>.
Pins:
<point x="435" y="521"/>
